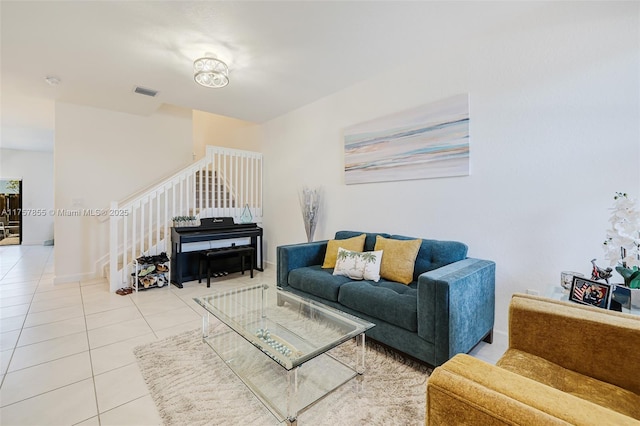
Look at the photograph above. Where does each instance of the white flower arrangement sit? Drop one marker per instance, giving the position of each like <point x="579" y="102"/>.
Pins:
<point x="622" y="244"/>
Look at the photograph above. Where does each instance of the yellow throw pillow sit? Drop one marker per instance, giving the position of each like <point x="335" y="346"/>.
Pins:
<point x="399" y="258"/>
<point x="353" y="244"/>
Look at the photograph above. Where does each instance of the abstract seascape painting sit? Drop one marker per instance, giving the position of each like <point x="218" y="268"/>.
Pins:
<point x="429" y="141"/>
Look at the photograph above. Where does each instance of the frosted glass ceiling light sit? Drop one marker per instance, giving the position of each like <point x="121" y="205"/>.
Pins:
<point x="209" y="71"/>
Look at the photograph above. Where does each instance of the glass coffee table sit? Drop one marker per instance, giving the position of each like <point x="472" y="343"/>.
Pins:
<point x="277" y="344"/>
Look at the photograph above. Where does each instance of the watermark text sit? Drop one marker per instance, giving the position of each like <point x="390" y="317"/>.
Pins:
<point x="65" y="212"/>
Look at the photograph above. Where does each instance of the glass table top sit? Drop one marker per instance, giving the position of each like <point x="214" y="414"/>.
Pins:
<point x="289" y="329"/>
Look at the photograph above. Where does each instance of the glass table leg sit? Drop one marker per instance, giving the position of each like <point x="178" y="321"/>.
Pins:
<point x="292" y="397"/>
<point x="360" y="352"/>
<point x="205" y="326"/>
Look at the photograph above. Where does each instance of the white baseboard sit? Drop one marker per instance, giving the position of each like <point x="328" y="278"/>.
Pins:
<point x="33" y="243"/>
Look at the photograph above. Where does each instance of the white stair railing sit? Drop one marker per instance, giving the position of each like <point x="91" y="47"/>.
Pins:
<point x="222" y="183"/>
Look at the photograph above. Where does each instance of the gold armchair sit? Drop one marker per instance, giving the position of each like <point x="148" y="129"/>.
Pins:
<point x="566" y="364"/>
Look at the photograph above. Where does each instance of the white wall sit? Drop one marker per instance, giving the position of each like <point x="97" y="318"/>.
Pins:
<point x="554" y="98"/>
<point x="35" y="168"/>
<point x="103" y="156"/>
<point x="217" y="130"/>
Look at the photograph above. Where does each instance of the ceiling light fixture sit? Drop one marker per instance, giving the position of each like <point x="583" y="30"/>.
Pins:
<point x="209" y="71"/>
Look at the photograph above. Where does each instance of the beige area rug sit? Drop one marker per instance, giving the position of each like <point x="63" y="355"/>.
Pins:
<point x="9" y="241"/>
<point x="191" y="385"/>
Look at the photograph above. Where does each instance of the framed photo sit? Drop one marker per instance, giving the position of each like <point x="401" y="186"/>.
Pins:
<point x="590" y="292"/>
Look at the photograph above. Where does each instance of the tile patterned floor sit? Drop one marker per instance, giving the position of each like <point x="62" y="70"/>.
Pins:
<point x="66" y="350"/>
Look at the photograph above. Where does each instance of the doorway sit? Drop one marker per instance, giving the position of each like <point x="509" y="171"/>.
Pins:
<point x="10" y="212"/>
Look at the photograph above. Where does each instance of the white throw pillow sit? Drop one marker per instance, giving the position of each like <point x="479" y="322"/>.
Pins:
<point x="358" y="265"/>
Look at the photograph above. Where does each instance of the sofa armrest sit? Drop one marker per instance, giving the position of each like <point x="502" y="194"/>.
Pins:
<point x="456" y="306"/>
<point x="578" y="337"/>
<point x="468" y="391"/>
<point x="296" y="256"/>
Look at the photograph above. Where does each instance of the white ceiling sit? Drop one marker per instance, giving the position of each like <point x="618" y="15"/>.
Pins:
<point x="281" y="55"/>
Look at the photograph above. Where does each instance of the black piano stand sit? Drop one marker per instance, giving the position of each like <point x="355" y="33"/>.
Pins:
<point x="209" y="255"/>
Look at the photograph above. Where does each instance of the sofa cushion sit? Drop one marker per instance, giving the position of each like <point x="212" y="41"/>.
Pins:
<point x="468" y="391"/>
<point x="359" y="265"/>
<point x="571" y="382"/>
<point x="369" y="242"/>
<point x="317" y="281"/>
<point x="354" y="243"/>
<point x="387" y="300"/>
<point x="399" y="258"/>
<point x="434" y="254"/>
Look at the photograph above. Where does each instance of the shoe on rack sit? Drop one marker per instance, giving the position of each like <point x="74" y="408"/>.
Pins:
<point x="146" y="271"/>
<point x="148" y="281"/>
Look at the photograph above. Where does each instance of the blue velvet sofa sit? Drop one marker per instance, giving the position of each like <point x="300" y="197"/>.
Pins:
<point x="447" y="309"/>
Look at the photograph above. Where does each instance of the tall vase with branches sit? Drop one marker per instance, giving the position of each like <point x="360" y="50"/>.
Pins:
<point x="310" y="200"/>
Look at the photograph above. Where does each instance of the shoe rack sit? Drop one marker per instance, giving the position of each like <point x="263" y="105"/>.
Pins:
<point x="151" y="272"/>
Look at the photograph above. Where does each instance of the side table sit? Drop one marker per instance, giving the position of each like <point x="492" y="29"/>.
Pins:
<point x="558" y="293"/>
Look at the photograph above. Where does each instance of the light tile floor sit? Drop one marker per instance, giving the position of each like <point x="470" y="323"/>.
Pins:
<point x="66" y="350"/>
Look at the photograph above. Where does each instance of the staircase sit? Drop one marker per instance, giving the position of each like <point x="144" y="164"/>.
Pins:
<point x="220" y="184"/>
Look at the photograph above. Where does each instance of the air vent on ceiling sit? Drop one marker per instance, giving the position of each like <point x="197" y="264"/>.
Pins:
<point x="144" y="91"/>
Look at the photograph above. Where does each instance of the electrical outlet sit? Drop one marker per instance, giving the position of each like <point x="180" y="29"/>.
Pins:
<point x="533" y="292"/>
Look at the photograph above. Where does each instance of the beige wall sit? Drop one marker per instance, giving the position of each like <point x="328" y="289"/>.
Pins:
<point x="35" y="168"/>
<point x="554" y="107"/>
<point x="217" y="130"/>
<point x="102" y="156"/>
